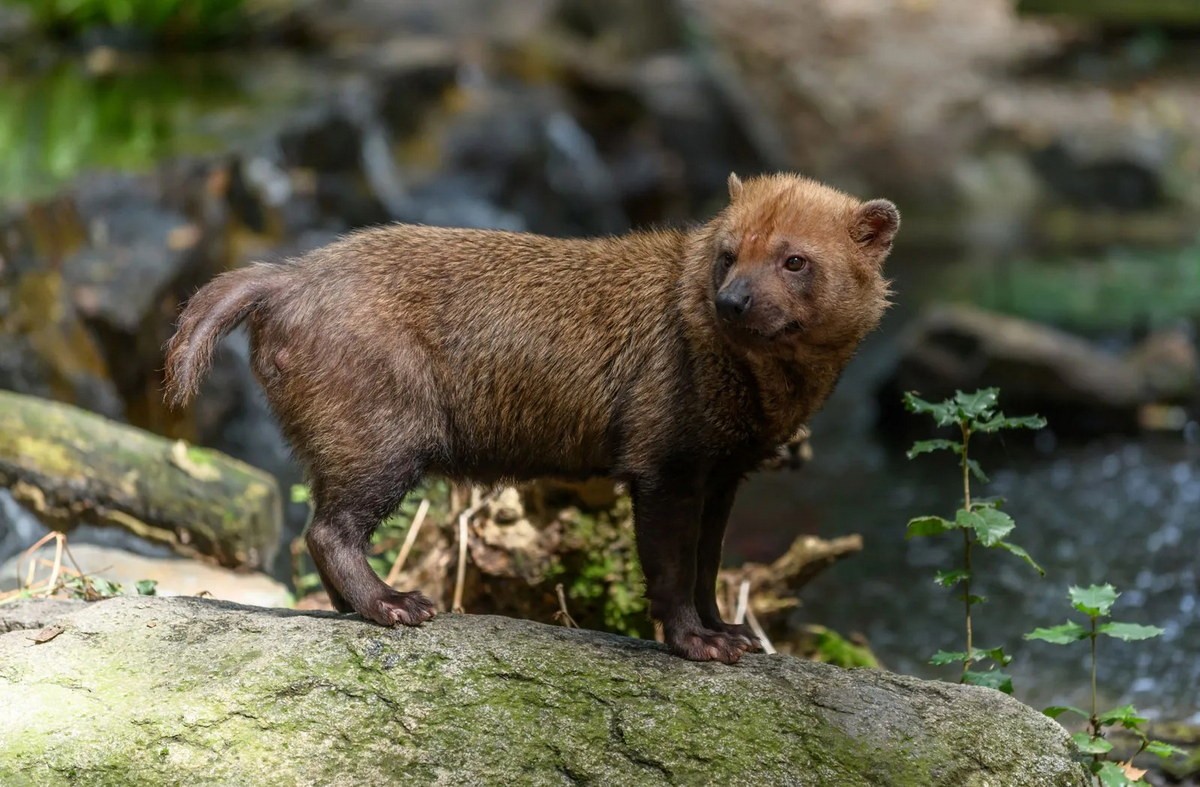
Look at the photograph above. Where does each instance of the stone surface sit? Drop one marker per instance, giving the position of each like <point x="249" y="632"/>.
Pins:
<point x="156" y="686"/>
<point x="175" y="576"/>
<point x="25" y="614"/>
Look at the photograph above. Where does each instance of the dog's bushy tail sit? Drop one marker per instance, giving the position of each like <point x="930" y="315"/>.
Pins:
<point x="210" y="314"/>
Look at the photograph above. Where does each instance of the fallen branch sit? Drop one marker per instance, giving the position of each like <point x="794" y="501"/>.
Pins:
<point x="68" y="467"/>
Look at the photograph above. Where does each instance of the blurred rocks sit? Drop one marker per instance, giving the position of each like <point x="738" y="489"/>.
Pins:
<point x="1082" y="389"/>
<point x="902" y="99"/>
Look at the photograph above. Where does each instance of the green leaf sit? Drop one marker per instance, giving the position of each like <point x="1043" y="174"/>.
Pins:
<point x="1021" y="553"/>
<point x="990" y="524"/>
<point x="944" y="413"/>
<point x="974" y="599"/>
<point x="1094" y="601"/>
<point x="995" y="679"/>
<point x="977" y="404"/>
<point x="1000" y="421"/>
<point x="929" y="446"/>
<point x="1128" y="631"/>
<point x="977" y="471"/>
<point x="104" y="587"/>
<point x="995" y="654"/>
<point x="1089" y="745"/>
<point x="1126" y="716"/>
<point x="947" y="657"/>
<point x="987" y="502"/>
<point x="951" y="578"/>
<point x="1054" y="711"/>
<point x="300" y="493"/>
<point x="1060" y="635"/>
<point x="928" y="526"/>
<point x="146" y="587"/>
<point x="1164" y="750"/>
<point x="1112" y="775"/>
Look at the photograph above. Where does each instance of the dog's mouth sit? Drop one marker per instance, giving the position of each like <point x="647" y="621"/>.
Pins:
<point x="795" y="326"/>
<point x="761" y="334"/>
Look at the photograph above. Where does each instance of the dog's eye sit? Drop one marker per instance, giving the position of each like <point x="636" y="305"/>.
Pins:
<point x="795" y="263"/>
<point x="727" y="259"/>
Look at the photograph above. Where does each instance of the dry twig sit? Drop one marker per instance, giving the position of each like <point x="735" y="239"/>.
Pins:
<point x="745" y="614"/>
<point x="464" y="519"/>
<point x="410" y="538"/>
<point x="563" y="616"/>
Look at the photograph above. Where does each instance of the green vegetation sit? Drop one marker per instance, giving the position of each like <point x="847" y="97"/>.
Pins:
<point x="599" y="568"/>
<point x="983" y="524"/>
<point x="1096" y="603"/>
<point x="173" y="20"/>
<point x="1118" y="12"/>
<point x="93" y="588"/>
<point x="980" y="521"/>
<point x="1121" y="288"/>
<point x="830" y="647"/>
<point x="57" y="123"/>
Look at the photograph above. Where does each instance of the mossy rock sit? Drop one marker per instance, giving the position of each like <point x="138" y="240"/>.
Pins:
<point x="194" y="691"/>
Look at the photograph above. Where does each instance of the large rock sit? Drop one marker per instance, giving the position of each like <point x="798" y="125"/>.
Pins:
<point x="193" y="691"/>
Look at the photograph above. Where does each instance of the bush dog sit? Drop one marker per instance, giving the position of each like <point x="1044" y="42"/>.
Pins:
<point x="672" y="360"/>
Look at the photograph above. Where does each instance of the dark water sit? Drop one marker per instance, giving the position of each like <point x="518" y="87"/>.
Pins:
<point x="1125" y="511"/>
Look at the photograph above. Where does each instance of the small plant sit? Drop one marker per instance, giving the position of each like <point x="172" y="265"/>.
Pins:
<point x="91" y="588"/>
<point x="980" y="520"/>
<point x="1096" y="602"/>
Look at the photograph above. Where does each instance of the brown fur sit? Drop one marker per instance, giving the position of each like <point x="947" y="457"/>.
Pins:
<point x="401" y="350"/>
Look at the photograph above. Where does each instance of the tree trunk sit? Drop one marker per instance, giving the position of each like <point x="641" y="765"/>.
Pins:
<point x="69" y="466"/>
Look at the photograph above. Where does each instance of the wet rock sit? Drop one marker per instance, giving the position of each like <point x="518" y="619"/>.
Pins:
<point x="413" y="76"/>
<point x="1080" y="388"/>
<point x="90" y="283"/>
<point x="1169" y="362"/>
<point x="1117" y="183"/>
<point x="174" y="576"/>
<point x="520" y="149"/>
<point x="667" y="135"/>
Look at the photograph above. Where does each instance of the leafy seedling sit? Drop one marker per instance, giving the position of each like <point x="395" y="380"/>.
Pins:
<point x="981" y="521"/>
<point x="1096" y="602"/>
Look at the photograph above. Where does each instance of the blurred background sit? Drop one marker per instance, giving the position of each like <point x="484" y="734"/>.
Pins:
<point x="1045" y="155"/>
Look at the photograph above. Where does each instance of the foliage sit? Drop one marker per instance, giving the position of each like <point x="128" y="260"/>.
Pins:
<point x="1096" y="602"/>
<point x="832" y="648"/>
<point x="62" y="120"/>
<point x="598" y="565"/>
<point x="981" y="521"/>
<point x="93" y="588"/>
<point x="162" y="19"/>
<point x="1119" y="287"/>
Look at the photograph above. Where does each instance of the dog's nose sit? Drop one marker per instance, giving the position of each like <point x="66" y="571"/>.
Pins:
<point x="733" y="300"/>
